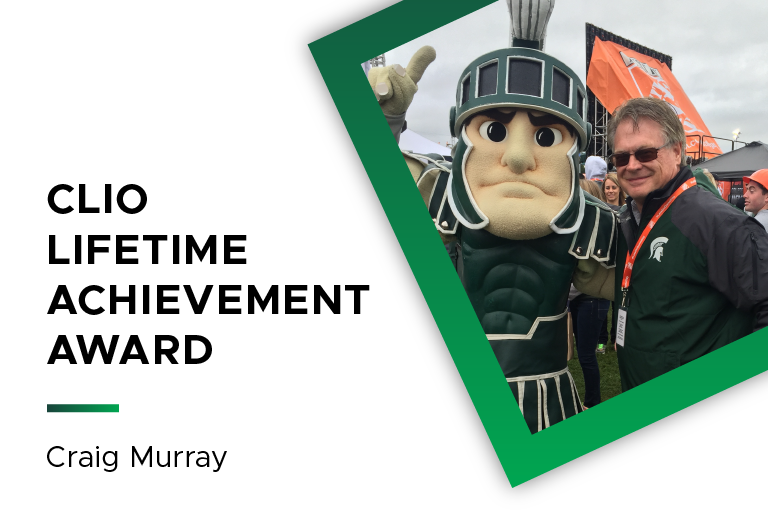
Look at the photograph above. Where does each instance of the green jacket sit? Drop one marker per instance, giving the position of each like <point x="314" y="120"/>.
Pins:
<point x="700" y="280"/>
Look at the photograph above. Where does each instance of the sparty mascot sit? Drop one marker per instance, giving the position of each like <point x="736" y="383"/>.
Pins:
<point x="511" y="205"/>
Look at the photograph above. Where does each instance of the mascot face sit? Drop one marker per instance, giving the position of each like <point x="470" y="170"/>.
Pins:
<point x="518" y="170"/>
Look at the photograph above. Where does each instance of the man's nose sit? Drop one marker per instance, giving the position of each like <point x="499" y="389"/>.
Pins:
<point x="518" y="154"/>
<point x="633" y="164"/>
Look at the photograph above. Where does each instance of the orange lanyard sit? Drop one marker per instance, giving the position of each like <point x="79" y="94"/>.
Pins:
<point x="633" y="256"/>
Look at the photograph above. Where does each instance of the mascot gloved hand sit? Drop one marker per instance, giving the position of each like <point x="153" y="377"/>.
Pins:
<point x="395" y="86"/>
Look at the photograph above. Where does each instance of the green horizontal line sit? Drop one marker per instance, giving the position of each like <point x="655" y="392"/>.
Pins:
<point x="83" y="407"/>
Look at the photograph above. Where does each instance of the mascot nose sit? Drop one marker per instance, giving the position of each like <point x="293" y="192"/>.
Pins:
<point x="518" y="155"/>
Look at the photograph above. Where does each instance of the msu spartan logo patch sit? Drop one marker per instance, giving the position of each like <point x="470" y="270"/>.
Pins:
<point x="657" y="248"/>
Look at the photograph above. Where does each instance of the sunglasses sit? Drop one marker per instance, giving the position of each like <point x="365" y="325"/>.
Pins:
<point x="642" y="155"/>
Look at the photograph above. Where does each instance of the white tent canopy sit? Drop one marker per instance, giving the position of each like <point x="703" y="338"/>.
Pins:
<point x="415" y="143"/>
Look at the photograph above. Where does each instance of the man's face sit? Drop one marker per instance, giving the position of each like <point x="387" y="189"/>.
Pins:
<point x="638" y="179"/>
<point x="519" y="171"/>
<point x="754" y="198"/>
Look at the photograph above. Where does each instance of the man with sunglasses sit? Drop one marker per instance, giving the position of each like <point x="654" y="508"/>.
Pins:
<point x="756" y="196"/>
<point x="691" y="271"/>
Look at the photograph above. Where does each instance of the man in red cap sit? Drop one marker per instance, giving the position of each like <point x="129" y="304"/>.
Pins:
<point x="756" y="196"/>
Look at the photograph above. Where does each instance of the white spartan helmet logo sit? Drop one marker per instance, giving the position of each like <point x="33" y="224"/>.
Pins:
<point x="657" y="248"/>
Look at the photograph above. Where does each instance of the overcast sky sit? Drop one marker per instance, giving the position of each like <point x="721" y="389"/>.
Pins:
<point x="719" y="55"/>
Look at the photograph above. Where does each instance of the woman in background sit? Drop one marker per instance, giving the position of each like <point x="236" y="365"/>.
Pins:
<point x="614" y="196"/>
<point x="588" y="315"/>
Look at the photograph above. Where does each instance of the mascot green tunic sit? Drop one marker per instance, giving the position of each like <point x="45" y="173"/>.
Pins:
<point x="511" y="205"/>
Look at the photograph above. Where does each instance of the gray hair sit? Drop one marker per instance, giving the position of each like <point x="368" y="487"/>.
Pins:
<point x="654" y="110"/>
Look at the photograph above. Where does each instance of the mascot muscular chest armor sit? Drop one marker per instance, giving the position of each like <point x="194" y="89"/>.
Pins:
<point x="510" y="201"/>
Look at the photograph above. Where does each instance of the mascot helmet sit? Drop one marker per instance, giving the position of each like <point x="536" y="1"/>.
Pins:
<point x="522" y="76"/>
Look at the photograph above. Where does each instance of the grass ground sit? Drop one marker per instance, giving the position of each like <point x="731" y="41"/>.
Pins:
<point x="610" y="382"/>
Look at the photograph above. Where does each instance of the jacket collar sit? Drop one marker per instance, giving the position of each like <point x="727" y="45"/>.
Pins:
<point x="653" y="202"/>
<point x="655" y="199"/>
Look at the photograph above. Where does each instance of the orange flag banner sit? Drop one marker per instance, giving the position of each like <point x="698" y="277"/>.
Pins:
<point x="617" y="74"/>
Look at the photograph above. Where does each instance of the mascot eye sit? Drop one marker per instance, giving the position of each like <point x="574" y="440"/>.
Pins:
<point x="493" y="131"/>
<point x="547" y="137"/>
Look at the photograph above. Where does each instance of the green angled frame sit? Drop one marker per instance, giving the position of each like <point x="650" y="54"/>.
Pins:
<point x="522" y="455"/>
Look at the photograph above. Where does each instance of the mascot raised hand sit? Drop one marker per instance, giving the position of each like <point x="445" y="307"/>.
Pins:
<point x="511" y="203"/>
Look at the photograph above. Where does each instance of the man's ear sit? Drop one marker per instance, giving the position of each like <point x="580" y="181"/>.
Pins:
<point x="679" y="148"/>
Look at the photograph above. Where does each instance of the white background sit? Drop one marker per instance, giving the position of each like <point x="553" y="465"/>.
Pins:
<point x="219" y="112"/>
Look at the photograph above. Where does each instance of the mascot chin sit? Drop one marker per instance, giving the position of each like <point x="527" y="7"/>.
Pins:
<point x="510" y="205"/>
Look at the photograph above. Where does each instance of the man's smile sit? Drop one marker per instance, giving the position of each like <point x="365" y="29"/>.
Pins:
<point x="636" y="180"/>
